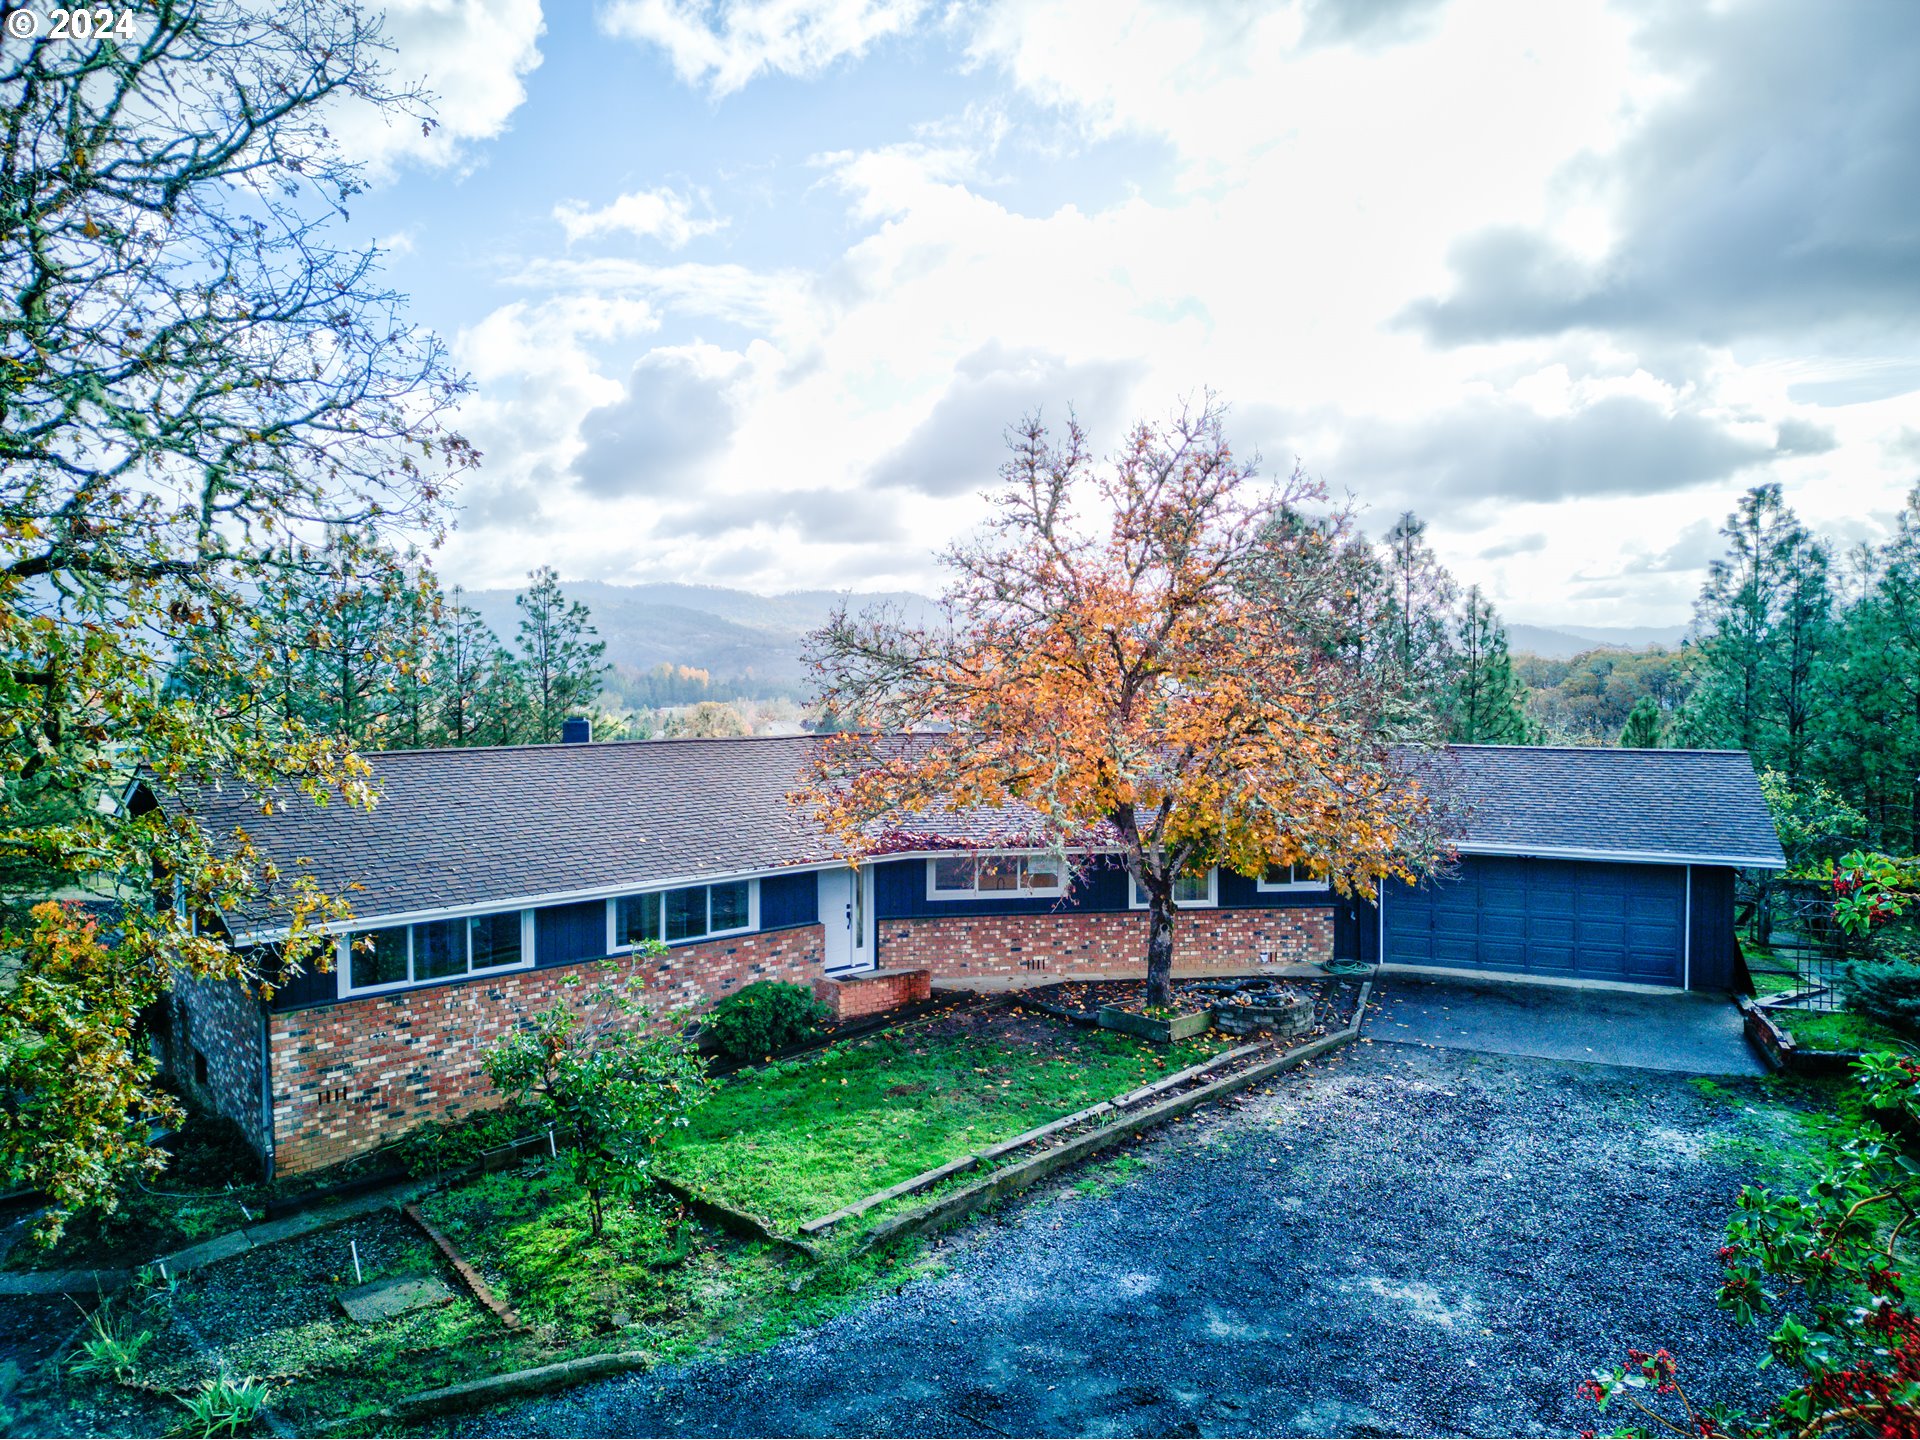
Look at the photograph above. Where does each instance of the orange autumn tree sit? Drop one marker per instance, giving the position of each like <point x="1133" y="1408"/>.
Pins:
<point x="1158" y="654"/>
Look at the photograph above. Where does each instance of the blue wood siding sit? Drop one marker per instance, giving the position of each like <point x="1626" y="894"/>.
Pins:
<point x="900" y="893"/>
<point x="789" y="900"/>
<point x="1712" y="922"/>
<point x="309" y="987"/>
<point x="568" y="934"/>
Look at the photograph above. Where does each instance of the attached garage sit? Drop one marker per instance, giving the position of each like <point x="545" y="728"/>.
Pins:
<point x="1565" y="919"/>
<point x="1610" y="867"/>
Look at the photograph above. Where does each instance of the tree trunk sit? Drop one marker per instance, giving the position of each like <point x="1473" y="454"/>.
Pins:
<point x="1159" y="946"/>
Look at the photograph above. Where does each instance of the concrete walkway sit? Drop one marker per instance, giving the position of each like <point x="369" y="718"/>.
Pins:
<point x="1693" y="1034"/>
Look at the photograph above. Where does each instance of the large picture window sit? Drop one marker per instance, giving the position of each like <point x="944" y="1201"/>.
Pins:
<point x="434" y="950"/>
<point x="1190" y="892"/>
<point x="695" y="912"/>
<point x="1291" y="877"/>
<point x="986" y="877"/>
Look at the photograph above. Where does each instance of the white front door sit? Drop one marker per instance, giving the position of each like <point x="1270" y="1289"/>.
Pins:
<point x="846" y="915"/>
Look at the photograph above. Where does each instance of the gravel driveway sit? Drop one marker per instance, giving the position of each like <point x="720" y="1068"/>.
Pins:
<point x="1403" y="1241"/>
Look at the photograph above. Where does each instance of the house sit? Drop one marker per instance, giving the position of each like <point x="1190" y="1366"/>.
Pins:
<point x="491" y="876"/>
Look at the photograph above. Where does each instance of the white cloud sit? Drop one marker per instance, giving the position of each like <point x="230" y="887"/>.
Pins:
<point x="473" y="55"/>
<point x="1321" y="177"/>
<point x="662" y="214"/>
<point x="725" y="44"/>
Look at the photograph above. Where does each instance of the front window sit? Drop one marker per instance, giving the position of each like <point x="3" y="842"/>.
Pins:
<point x="971" y="877"/>
<point x="1292" y="877"/>
<point x="433" y="950"/>
<point x="1189" y="891"/>
<point x="694" y="912"/>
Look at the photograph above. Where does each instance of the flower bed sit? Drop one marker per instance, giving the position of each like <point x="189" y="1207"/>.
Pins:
<point x="1252" y="1006"/>
<point x="1806" y="1042"/>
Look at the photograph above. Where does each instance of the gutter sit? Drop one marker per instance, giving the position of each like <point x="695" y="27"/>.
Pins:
<point x="720" y="877"/>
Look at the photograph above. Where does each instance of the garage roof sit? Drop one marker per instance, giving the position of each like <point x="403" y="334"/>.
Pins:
<point x="1700" y="807"/>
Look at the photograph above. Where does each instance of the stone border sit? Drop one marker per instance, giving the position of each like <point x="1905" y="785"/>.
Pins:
<point x="927" y="1178"/>
<point x="471" y="1278"/>
<point x="1784" y="1053"/>
<point x="948" y="1208"/>
<point x="743" y="1223"/>
<point x="491" y="1389"/>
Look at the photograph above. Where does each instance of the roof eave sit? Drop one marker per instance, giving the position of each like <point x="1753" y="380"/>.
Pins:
<point x="1622" y="856"/>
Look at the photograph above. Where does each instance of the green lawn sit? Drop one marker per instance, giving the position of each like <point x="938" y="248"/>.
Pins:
<point x="1815" y="1029"/>
<point x="803" y="1138"/>
<point x="1837" y="1030"/>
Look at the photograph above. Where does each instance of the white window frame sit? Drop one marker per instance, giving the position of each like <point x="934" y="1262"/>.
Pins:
<point x="615" y="946"/>
<point x="343" y="958"/>
<point x="1021" y="892"/>
<point x="1137" y="900"/>
<point x="1269" y="887"/>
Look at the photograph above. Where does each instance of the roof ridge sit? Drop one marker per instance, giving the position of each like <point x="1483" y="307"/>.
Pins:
<point x="1602" y="749"/>
<point x="582" y="745"/>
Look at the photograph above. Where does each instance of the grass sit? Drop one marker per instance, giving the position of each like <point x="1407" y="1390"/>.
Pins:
<point x="1788" y="1129"/>
<point x="1838" y="1030"/>
<point x="788" y="1142"/>
<point x="803" y="1138"/>
<point x="654" y="1280"/>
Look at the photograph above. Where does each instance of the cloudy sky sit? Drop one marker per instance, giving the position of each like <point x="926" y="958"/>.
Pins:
<point x="750" y="289"/>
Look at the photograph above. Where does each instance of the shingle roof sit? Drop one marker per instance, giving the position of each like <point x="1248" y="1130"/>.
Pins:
<point x="1698" y="805"/>
<point x="469" y="828"/>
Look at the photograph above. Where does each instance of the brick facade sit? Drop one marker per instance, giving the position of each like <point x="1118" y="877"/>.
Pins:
<point x="873" y="992"/>
<point x="355" y="1075"/>
<point x="1039" y="948"/>
<point x="207" y="1038"/>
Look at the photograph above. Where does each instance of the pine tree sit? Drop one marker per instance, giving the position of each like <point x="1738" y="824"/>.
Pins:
<point x="1642" y="730"/>
<point x="1739" y="618"/>
<point x="1872" y="743"/>
<point x="559" y="653"/>
<point x="1488" y="706"/>
<point x="1417" y="644"/>
<point x="461" y="658"/>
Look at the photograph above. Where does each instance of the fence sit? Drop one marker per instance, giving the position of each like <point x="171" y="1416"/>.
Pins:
<point x="1794" y="950"/>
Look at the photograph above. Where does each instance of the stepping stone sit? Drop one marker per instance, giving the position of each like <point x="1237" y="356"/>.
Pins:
<point x="384" y="1299"/>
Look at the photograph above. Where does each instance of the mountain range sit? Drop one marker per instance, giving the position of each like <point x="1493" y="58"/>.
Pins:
<point x="756" y="640"/>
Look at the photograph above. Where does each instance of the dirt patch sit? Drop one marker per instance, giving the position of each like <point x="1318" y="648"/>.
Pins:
<point x="295" y="1283"/>
<point x="1334" y="1001"/>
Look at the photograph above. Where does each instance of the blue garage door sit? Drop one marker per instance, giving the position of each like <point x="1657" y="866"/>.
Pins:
<point x="1563" y="918"/>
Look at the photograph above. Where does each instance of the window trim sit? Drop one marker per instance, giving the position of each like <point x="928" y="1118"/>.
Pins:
<point x="616" y="947"/>
<point x="1051" y="892"/>
<point x="1138" y="901"/>
<point x="1267" y="887"/>
<point x="343" y="954"/>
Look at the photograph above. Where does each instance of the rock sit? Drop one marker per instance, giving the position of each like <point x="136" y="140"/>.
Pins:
<point x="385" y="1299"/>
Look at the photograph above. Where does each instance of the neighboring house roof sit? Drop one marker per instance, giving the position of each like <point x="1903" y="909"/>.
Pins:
<point x="465" y="829"/>
<point x="1702" y="806"/>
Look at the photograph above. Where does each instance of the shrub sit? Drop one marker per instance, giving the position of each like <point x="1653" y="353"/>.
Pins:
<point x="766" y="1016"/>
<point x="1889" y="993"/>
<point x="112" y="1352"/>
<point x="608" y="1088"/>
<point x="435" y="1148"/>
<point x="226" y="1407"/>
